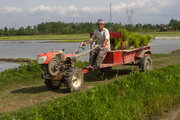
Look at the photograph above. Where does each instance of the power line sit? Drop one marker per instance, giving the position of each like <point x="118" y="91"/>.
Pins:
<point x="129" y="15"/>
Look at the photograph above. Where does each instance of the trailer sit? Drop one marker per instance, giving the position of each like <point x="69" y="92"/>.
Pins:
<point x="137" y="56"/>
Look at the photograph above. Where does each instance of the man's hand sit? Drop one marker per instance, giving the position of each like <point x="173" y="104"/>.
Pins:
<point x="104" y="44"/>
<point x="84" y="43"/>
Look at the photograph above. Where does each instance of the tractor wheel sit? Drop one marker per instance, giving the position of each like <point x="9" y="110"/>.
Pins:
<point x="52" y="84"/>
<point x="74" y="79"/>
<point x="106" y="69"/>
<point x="53" y="67"/>
<point x="145" y="63"/>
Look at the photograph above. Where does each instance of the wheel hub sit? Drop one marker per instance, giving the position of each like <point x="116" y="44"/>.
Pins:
<point x="76" y="79"/>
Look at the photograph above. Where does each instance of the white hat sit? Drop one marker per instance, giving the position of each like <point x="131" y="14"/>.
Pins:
<point x="100" y="21"/>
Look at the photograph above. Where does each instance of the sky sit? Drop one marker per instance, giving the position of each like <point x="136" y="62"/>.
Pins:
<point x="17" y="13"/>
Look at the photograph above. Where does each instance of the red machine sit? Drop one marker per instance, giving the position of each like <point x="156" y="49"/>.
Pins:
<point x="58" y="67"/>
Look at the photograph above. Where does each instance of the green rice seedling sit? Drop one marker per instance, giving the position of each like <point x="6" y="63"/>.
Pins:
<point x="130" y="40"/>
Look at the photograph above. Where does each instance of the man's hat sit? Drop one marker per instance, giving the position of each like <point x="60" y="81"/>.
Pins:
<point x="100" y="21"/>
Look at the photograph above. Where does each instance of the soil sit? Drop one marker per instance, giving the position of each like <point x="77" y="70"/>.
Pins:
<point x="172" y="114"/>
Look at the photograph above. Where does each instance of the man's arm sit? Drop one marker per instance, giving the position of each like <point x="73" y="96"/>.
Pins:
<point x="87" y="42"/>
<point x="105" y="42"/>
<point x="91" y="39"/>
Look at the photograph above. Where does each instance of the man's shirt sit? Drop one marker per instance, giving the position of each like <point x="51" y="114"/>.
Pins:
<point x="100" y="36"/>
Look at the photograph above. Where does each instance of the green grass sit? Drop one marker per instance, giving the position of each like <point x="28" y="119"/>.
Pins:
<point x="16" y="59"/>
<point x="24" y="74"/>
<point x="136" y="96"/>
<point x="78" y="37"/>
<point x="81" y="64"/>
<point x="161" y="34"/>
<point x="48" y="37"/>
<point x="63" y="41"/>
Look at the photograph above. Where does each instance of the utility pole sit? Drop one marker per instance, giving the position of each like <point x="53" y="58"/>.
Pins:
<point x="129" y="15"/>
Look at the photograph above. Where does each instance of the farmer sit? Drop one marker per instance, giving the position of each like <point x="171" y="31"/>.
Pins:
<point x="97" y="55"/>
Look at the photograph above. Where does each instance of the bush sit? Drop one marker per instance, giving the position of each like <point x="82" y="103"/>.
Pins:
<point x="25" y="73"/>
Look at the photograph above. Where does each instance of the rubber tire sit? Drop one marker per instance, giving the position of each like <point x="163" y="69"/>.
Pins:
<point x="51" y="85"/>
<point x="70" y="75"/>
<point x="145" y="64"/>
<point x="51" y="66"/>
<point x="106" y="69"/>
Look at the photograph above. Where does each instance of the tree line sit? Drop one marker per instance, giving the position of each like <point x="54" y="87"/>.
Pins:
<point x="59" y="27"/>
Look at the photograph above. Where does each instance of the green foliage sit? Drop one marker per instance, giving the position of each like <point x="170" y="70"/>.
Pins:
<point x="25" y="73"/>
<point x="136" y="96"/>
<point x="130" y="40"/>
<point x="81" y="64"/>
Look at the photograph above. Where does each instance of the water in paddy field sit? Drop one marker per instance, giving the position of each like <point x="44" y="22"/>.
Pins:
<point x="164" y="46"/>
<point x="30" y="49"/>
<point x="7" y="65"/>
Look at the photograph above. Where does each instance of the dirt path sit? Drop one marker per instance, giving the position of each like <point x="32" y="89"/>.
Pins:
<point x="172" y="114"/>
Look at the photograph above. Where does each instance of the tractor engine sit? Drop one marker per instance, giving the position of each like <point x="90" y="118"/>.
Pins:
<point x="52" y="64"/>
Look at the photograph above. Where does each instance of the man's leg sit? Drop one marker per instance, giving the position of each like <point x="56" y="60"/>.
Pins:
<point x="93" y="56"/>
<point x="101" y="55"/>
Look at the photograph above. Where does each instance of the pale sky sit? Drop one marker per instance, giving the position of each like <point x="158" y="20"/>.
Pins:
<point x="16" y="13"/>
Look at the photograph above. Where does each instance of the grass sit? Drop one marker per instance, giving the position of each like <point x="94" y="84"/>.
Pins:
<point x="162" y="34"/>
<point x="77" y="37"/>
<point x="63" y="41"/>
<point x="136" y="96"/>
<point x="16" y="60"/>
<point x="48" y="37"/>
<point x="24" y="74"/>
<point x="160" y="60"/>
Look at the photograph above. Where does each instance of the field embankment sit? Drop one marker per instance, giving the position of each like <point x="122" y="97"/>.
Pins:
<point x="79" y="37"/>
<point x="47" y="37"/>
<point x="162" y="34"/>
<point x="136" y="96"/>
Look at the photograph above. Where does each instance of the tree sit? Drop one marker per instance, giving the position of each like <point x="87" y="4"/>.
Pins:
<point x="1" y="32"/>
<point x="175" y="24"/>
<point x="20" y="31"/>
